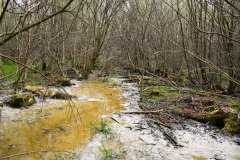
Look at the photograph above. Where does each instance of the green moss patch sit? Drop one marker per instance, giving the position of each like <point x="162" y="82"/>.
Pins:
<point x="235" y="103"/>
<point x="215" y="117"/>
<point x="192" y="103"/>
<point x="39" y="91"/>
<point x="232" y="125"/>
<point x="61" y="95"/>
<point x="157" y="94"/>
<point x="63" y="81"/>
<point x="44" y="92"/>
<point x="22" y="100"/>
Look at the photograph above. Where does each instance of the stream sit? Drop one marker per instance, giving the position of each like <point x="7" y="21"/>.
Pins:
<point x="57" y="125"/>
<point x="60" y="125"/>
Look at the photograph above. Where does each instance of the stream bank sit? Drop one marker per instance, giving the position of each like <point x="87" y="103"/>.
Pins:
<point x="136" y="138"/>
<point x="50" y="125"/>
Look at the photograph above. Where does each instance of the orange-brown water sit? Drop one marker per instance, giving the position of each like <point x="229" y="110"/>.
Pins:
<point x="60" y="126"/>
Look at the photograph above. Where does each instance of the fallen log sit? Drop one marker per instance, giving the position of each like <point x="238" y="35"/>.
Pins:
<point x="167" y="133"/>
<point x="160" y="123"/>
<point x="170" y="136"/>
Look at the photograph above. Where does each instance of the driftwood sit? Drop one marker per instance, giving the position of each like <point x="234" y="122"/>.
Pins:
<point x="160" y="123"/>
<point x="166" y="132"/>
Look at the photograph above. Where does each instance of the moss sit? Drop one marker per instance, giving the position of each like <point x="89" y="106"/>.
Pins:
<point x="39" y="91"/>
<point x="175" y="109"/>
<point x="232" y="125"/>
<point x="77" y="72"/>
<point x="194" y="90"/>
<point x="215" y="117"/>
<point x="22" y="100"/>
<point x="183" y="80"/>
<point x="31" y="88"/>
<point x="61" y="95"/>
<point x="157" y="99"/>
<point x="158" y="93"/>
<point x="235" y="103"/>
<point x="63" y="81"/>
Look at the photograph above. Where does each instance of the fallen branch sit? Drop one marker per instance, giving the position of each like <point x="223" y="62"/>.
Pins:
<point x="160" y="123"/>
<point x="114" y="119"/>
<point x="167" y="133"/>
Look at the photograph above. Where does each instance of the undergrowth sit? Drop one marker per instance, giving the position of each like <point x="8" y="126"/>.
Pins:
<point x="9" y="72"/>
<point x="109" y="153"/>
<point x="157" y="94"/>
<point x="103" y="128"/>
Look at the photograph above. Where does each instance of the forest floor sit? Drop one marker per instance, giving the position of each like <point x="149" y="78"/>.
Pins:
<point x="162" y="123"/>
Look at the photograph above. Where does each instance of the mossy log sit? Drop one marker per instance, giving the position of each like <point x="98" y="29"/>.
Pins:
<point x="225" y="118"/>
<point x="216" y="117"/>
<point x="63" y="81"/>
<point x="22" y="100"/>
<point x="39" y="91"/>
<point x="44" y="92"/>
<point x="61" y="95"/>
